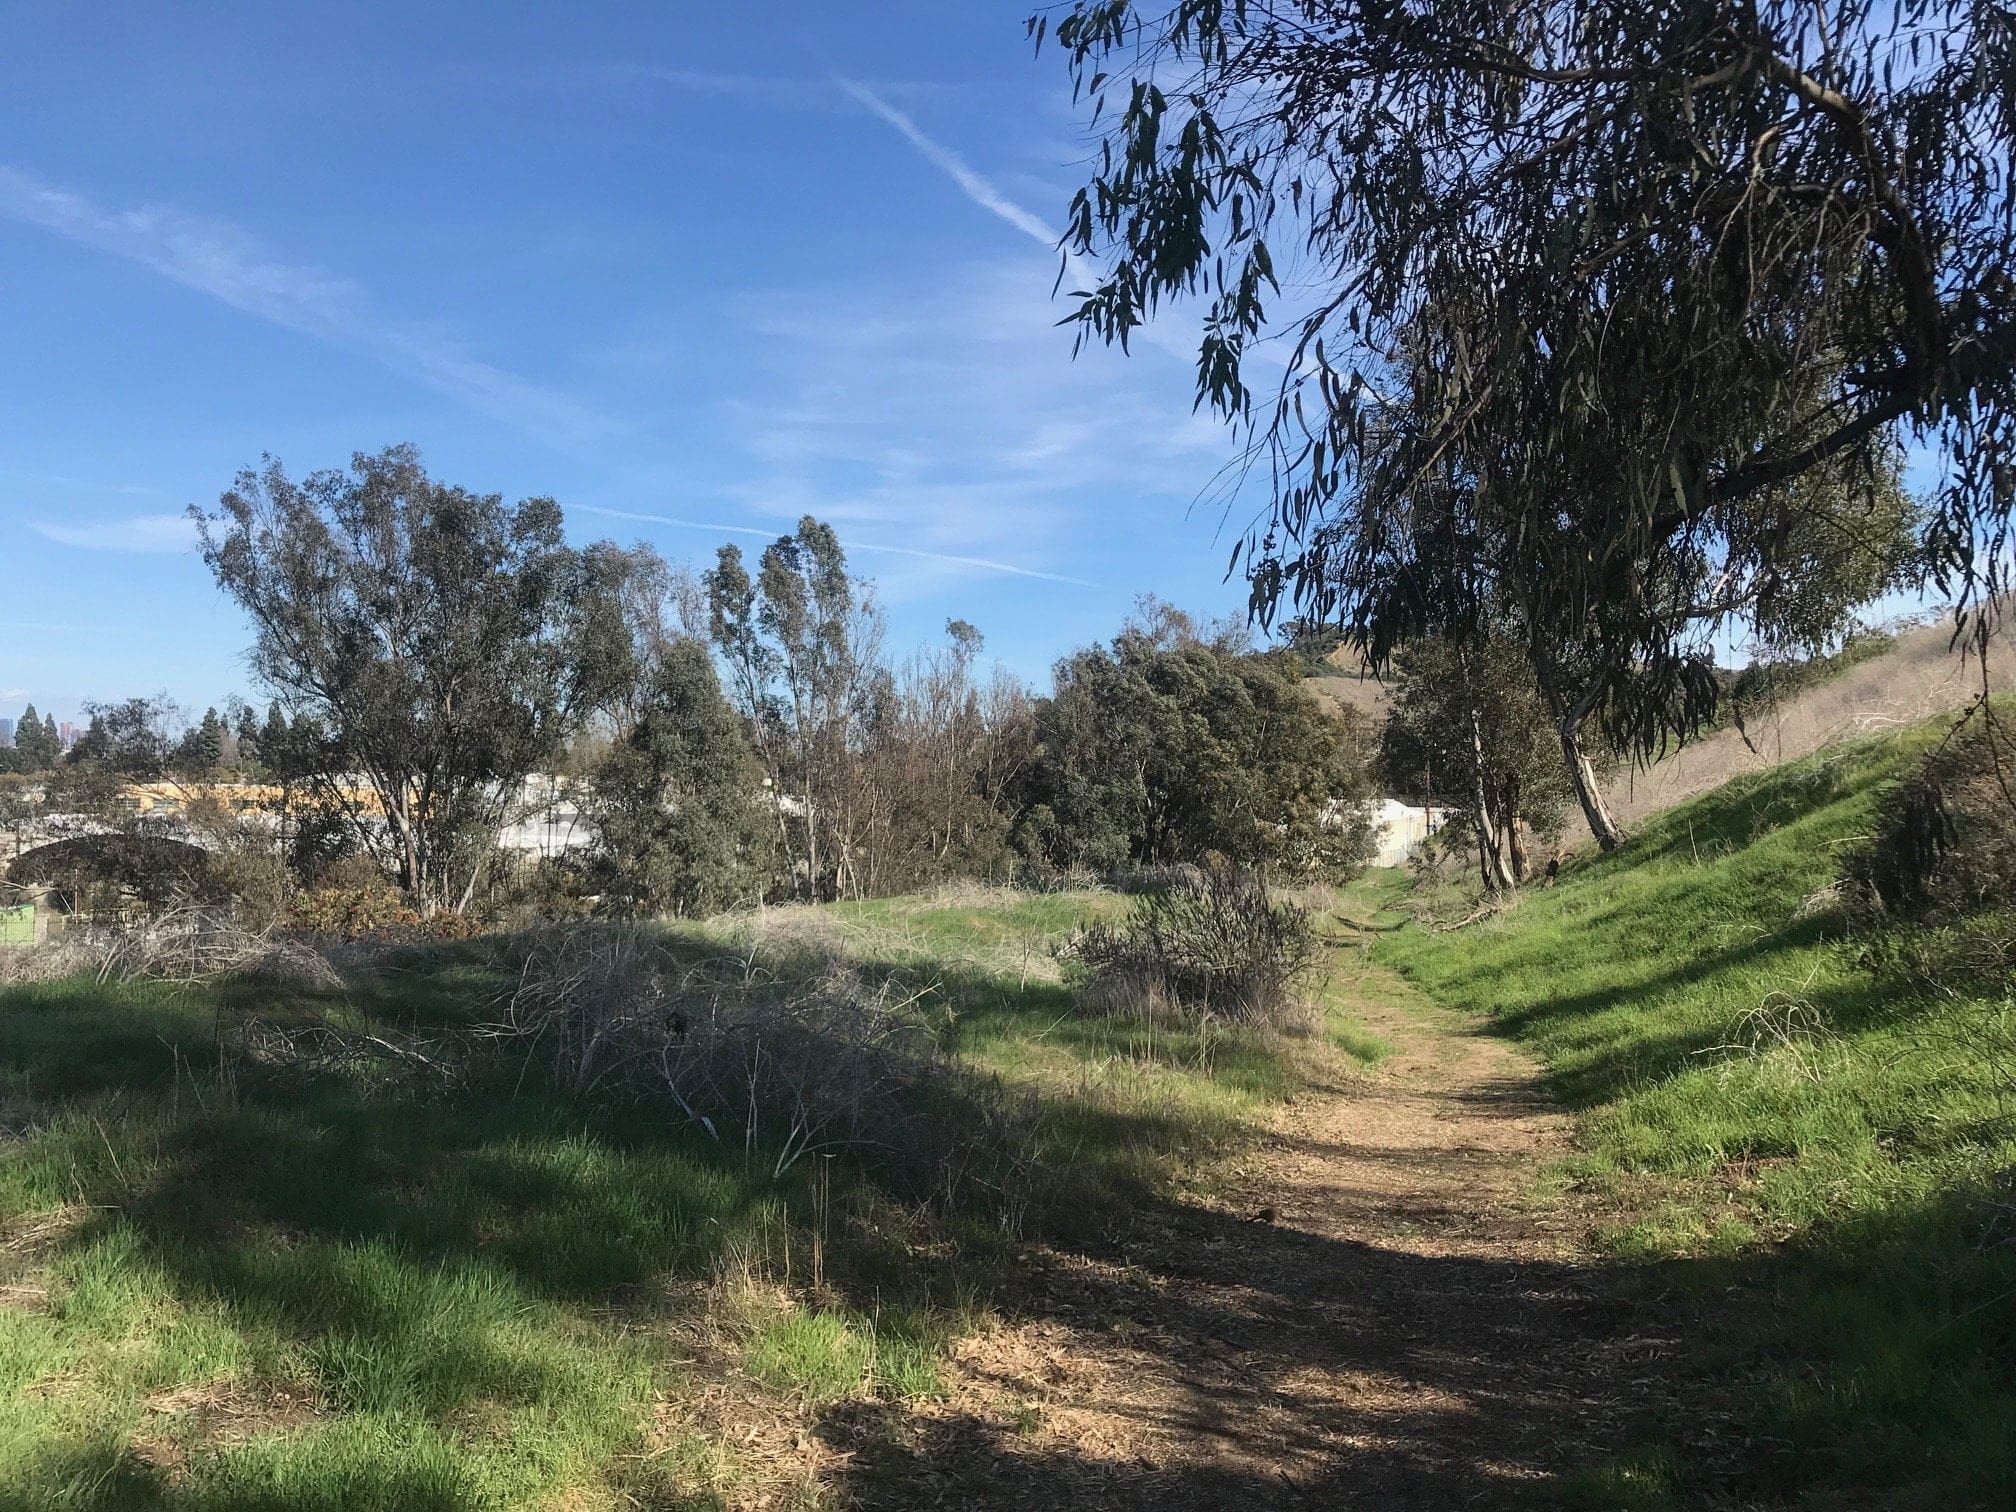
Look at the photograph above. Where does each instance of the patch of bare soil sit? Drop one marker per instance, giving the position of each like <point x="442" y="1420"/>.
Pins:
<point x="213" y="1415"/>
<point x="1377" y="1312"/>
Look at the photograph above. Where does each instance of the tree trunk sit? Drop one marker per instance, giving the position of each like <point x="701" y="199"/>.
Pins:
<point x="1588" y="792"/>
<point x="1581" y="773"/>
<point x="411" y="876"/>
<point x="1496" y="878"/>
<point x="1515" y="842"/>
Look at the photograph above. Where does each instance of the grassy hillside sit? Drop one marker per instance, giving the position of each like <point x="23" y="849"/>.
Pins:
<point x="1817" y="1160"/>
<point x="232" y="1278"/>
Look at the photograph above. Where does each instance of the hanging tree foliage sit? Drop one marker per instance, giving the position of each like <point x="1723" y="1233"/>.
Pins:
<point x="1582" y="313"/>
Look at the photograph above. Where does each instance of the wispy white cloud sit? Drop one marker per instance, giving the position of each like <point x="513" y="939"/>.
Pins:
<point x="82" y="485"/>
<point x="991" y="197"/>
<point x="948" y="416"/>
<point x="765" y="91"/>
<point x="946" y="558"/>
<point x="771" y="93"/>
<point x="224" y="262"/>
<point x="148" y="532"/>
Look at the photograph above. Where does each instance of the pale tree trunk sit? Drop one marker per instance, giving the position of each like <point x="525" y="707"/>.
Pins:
<point x="1588" y="791"/>
<point x="1515" y="843"/>
<point x="469" y="892"/>
<point x="1491" y="854"/>
<point x="1581" y="771"/>
<point x="412" y="879"/>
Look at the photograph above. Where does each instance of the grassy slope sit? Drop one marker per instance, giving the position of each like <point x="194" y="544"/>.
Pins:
<point x="233" y="1289"/>
<point x="1816" y="1156"/>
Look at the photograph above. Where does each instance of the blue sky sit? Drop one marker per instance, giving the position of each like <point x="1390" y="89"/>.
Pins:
<point x="709" y="263"/>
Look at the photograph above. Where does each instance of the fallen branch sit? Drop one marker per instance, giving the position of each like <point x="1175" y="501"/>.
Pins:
<point x="1481" y="914"/>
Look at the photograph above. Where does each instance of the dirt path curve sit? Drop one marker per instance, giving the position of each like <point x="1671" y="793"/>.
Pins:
<point x="1376" y="1313"/>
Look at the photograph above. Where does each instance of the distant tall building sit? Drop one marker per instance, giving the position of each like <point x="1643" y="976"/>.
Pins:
<point x="68" y="733"/>
<point x="6" y="732"/>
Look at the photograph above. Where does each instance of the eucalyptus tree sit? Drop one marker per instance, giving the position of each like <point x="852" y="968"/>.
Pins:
<point x="130" y="737"/>
<point x="1572" y="312"/>
<point x="440" y="643"/>
<point x="660" y="605"/>
<point x="802" y="646"/>
<point x="1467" y="732"/>
<point x="676" y="802"/>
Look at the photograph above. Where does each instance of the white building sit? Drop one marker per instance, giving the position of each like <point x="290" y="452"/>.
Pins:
<point x="1398" y="830"/>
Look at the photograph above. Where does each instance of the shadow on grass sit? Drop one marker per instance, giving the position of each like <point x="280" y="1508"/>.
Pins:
<point x="429" y="1254"/>
<point x="429" y="1257"/>
<point x="1602" y="1073"/>
<point x="1751" y="805"/>
<point x="1864" y="1367"/>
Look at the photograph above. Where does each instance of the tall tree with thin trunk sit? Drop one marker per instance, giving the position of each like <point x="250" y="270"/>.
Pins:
<point x="802" y="644"/>
<point x="1470" y="716"/>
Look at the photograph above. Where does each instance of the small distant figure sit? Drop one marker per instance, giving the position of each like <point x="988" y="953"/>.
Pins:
<point x="1553" y="867"/>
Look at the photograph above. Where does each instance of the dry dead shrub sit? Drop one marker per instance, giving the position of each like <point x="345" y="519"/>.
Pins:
<point x="61" y="955"/>
<point x="1151" y="881"/>
<point x="967" y="893"/>
<point x="200" y="945"/>
<point x="798" y="1053"/>
<point x="1211" y="946"/>
<point x="188" y="945"/>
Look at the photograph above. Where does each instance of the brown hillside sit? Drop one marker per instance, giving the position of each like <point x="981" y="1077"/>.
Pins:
<point x="1343" y="684"/>
<point x="1922" y="675"/>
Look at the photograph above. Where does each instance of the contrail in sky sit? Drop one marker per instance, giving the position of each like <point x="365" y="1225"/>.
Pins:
<point x="978" y="188"/>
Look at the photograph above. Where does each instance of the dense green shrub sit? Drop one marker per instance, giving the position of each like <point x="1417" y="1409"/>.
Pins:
<point x="1945" y="846"/>
<point x="678" y="822"/>
<point x="1942" y="864"/>
<point x="1165" y="749"/>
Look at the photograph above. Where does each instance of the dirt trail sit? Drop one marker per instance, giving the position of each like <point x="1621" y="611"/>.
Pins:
<point x="1374" y="1314"/>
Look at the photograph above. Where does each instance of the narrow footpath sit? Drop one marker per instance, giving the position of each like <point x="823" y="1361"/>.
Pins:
<point x="1377" y="1311"/>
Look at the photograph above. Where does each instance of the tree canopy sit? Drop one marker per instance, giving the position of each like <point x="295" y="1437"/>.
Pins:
<point x="1164" y="748"/>
<point x="440" y="643"/>
<point x="1468" y="733"/>
<point x="36" y="746"/>
<point x="677" y="803"/>
<point x="1595" y="308"/>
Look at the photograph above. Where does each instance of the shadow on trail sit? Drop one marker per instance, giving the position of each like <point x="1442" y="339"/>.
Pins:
<point x="1217" y="1361"/>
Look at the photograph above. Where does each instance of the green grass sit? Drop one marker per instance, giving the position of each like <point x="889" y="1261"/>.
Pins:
<point x="232" y="1286"/>
<point x="1119" y="1110"/>
<point x="1816" y="1157"/>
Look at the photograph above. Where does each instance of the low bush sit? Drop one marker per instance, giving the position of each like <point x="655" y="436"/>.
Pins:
<point x="1210" y="945"/>
<point x="1946" y="842"/>
<point x="1943" y="862"/>
<point x="376" y="912"/>
<point x="187" y="945"/>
